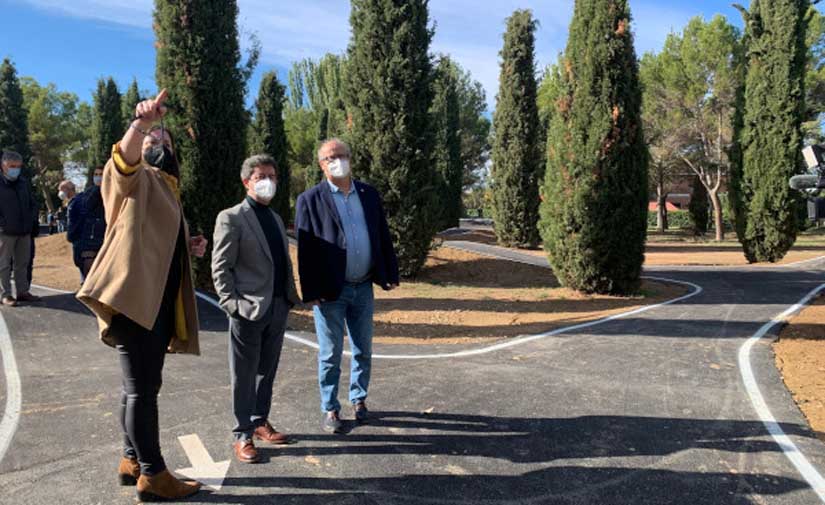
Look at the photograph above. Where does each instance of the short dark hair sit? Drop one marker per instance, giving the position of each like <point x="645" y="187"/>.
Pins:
<point x="11" y="156"/>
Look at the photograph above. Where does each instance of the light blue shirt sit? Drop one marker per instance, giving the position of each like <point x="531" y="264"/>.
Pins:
<point x="359" y="249"/>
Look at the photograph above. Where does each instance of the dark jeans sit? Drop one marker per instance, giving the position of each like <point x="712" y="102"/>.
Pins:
<point x="78" y="262"/>
<point x="254" y="353"/>
<point x="142" y="353"/>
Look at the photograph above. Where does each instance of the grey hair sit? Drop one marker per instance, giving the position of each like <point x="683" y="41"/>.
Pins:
<point x="257" y="160"/>
<point x="12" y="156"/>
<point x="333" y="140"/>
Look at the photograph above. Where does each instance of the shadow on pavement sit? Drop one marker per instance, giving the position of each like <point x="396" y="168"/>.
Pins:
<point x="542" y="442"/>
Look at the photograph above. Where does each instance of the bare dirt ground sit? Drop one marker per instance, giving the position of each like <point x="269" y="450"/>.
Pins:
<point x="459" y="297"/>
<point x="674" y="249"/>
<point x="800" y="357"/>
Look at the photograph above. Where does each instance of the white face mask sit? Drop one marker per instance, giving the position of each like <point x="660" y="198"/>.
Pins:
<point x="339" y="168"/>
<point x="265" y="189"/>
<point x="62" y="195"/>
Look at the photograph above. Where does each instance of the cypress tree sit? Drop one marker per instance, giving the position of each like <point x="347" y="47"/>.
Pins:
<point x="199" y="63"/>
<point x="516" y="152"/>
<point x="129" y="101"/>
<point x="770" y="129"/>
<point x="14" y="131"/>
<point x="698" y="208"/>
<point x="447" y="150"/>
<point x="388" y="83"/>
<point x="269" y="136"/>
<point x="107" y="123"/>
<point x="594" y="212"/>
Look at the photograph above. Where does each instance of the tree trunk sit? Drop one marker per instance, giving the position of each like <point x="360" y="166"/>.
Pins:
<point x="717" y="214"/>
<point x="46" y="199"/>
<point x="661" y="208"/>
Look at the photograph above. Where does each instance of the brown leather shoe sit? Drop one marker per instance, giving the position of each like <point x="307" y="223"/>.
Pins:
<point x="28" y="297"/>
<point x="164" y="487"/>
<point x="245" y="451"/>
<point x="9" y="301"/>
<point x="267" y="433"/>
<point x="128" y="472"/>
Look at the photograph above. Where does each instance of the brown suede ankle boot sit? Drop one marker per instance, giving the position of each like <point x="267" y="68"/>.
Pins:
<point x="164" y="487"/>
<point x="128" y="472"/>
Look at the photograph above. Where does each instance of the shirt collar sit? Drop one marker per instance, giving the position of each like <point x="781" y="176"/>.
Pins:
<point x="336" y="189"/>
<point x="333" y="187"/>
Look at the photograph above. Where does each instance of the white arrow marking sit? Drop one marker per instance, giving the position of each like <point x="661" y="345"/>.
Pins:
<point x="204" y="469"/>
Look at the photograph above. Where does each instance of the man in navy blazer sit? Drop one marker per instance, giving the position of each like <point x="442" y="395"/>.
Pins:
<point x="344" y="247"/>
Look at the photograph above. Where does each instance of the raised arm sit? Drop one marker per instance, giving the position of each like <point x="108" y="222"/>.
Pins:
<point x="146" y="113"/>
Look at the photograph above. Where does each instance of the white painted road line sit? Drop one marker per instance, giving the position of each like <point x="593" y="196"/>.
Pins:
<point x="204" y="469"/>
<point x="510" y="343"/>
<point x="805" y="468"/>
<point x="14" y="398"/>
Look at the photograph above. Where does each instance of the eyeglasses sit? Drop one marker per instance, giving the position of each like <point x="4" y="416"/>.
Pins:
<point x="335" y="157"/>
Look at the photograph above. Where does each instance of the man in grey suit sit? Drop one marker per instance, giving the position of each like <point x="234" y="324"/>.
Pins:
<point x="253" y="277"/>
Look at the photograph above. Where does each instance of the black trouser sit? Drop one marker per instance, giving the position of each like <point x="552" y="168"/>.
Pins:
<point x="254" y="353"/>
<point x="142" y="354"/>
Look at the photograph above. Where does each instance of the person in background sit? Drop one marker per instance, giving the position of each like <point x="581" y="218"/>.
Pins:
<point x="61" y="218"/>
<point x="87" y="224"/>
<point x="141" y="289"/>
<point x="18" y="212"/>
<point x="67" y="195"/>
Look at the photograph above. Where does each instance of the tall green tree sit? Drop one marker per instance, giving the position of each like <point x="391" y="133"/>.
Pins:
<point x="53" y="133"/>
<point x="129" y="101"/>
<point x="770" y="139"/>
<point x="315" y="112"/>
<point x="313" y="173"/>
<point x="269" y="136"/>
<point x="446" y="123"/>
<point x="516" y="152"/>
<point x="107" y="124"/>
<point x="474" y="125"/>
<point x="665" y="167"/>
<point x="691" y="91"/>
<point x="14" y="132"/>
<point x="388" y="88"/>
<point x="199" y="63"/>
<point x="698" y="208"/>
<point x="594" y="211"/>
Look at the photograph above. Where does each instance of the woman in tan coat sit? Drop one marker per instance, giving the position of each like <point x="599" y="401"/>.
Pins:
<point x="140" y="287"/>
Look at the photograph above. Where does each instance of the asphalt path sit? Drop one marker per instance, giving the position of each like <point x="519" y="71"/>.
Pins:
<point x="648" y="408"/>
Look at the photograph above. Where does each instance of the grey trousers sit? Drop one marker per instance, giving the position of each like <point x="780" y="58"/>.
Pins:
<point x="254" y="353"/>
<point x="18" y="249"/>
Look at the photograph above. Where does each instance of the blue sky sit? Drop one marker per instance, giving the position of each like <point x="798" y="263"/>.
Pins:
<point x="72" y="43"/>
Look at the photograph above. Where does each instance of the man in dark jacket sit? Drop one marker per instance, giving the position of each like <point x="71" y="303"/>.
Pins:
<point x="17" y="216"/>
<point x="86" y="225"/>
<point x="344" y="247"/>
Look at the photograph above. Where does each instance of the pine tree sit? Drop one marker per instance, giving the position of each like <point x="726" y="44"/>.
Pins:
<point x="594" y="211"/>
<point x="770" y="135"/>
<point x="389" y="95"/>
<point x="199" y="63"/>
<point x="516" y="151"/>
<point x="107" y="124"/>
<point x="269" y="137"/>
<point x="14" y="132"/>
<point x="447" y="152"/>
<point x="129" y="101"/>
